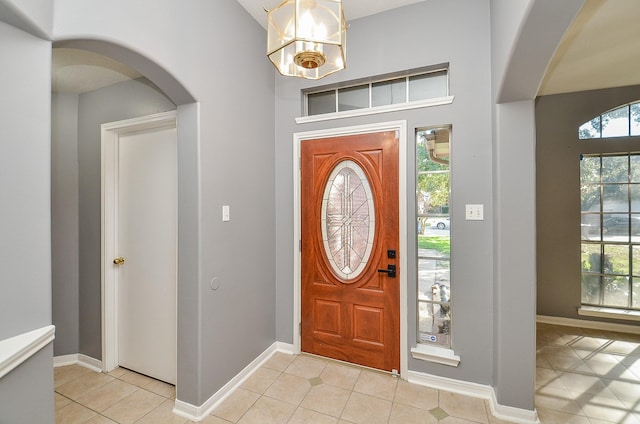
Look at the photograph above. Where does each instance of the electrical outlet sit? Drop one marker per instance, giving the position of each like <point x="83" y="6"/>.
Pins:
<point x="474" y="213"/>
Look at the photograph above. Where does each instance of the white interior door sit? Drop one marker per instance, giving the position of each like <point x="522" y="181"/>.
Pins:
<point x="147" y="241"/>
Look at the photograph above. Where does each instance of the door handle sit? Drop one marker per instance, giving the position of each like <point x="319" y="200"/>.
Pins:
<point x="390" y="271"/>
<point x="118" y="261"/>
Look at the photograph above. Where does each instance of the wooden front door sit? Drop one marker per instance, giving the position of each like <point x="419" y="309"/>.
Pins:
<point x="349" y="225"/>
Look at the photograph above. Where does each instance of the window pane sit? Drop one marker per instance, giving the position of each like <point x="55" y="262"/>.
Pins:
<point x="635" y="296"/>
<point x="634" y="170"/>
<point x="590" y="169"/>
<point x="591" y="258"/>
<point x="635" y="260"/>
<point x="434" y="323"/>
<point x="616" y="259"/>
<point x="635" y="228"/>
<point x="616" y="123"/>
<point x="389" y="92"/>
<point x="616" y="291"/>
<point x="615" y="169"/>
<point x="615" y="198"/>
<point x="591" y="289"/>
<point x="590" y="198"/>
<point x="615" y="227"/>
<point x="590" y="226"/>
<point x="634" y="190"/>
<point x="319" y="103"/>
<point x="635" y="119"/>
<point x="590" y="129"/>
<point x="428" y="86"/>
<point x="353" y="98"/>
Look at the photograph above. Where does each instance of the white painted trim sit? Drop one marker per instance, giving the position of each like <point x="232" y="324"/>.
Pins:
<point x="111" y="132"/>
<point x="601" y="312"/>
<point x="198" y="413"/>
<point x="584" y="323"/>
<point x="78" y="359"/>
<point x="401" y="127"/>
<point x="438" y="101"/>
<point x="17" y="349"/>
<point x="481" y="391"/>
<point x="439" y="355"/>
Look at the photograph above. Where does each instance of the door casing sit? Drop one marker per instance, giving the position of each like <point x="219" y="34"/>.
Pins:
<point x="111" y="133"/>
<point x="301" y="137"/>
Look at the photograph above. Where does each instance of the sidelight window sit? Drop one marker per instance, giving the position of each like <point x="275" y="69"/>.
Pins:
<point x="434" y="236"/>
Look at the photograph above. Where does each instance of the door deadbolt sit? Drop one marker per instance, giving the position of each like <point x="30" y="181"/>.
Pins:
<point x="118" y="261"/>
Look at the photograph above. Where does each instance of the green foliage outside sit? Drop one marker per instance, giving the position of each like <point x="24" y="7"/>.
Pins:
<point x="440" y="243"/>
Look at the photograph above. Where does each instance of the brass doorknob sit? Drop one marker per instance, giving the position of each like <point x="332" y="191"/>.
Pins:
<point x="118" y="261"/>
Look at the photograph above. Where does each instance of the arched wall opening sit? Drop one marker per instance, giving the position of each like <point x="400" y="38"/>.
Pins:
<point x="188" y="219"/>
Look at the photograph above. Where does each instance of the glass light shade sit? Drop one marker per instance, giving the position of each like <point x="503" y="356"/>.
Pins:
<point x="307" y="38"/>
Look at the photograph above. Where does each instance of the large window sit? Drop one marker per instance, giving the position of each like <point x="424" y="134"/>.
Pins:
<point x="434" y="236"/>
<point x="610" y="228"/>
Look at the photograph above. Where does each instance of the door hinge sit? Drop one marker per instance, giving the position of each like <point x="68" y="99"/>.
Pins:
<point x="299" y="245"/>
<point x="300" y="329"/>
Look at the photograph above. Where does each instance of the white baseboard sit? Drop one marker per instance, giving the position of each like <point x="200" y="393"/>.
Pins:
<point x="198" y="413"/>
<point x="506" y="413"/>
<point x="585" y="323"/>
<point x="78" y="359"/>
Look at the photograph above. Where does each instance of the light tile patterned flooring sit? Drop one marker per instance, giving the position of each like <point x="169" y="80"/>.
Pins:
<point x="292" y="389"/>
<point x="583" y="377"/>
<point x="587" y="376"/>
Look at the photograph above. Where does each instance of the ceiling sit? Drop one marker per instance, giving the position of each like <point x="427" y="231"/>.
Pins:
<point x="601" y="49"/>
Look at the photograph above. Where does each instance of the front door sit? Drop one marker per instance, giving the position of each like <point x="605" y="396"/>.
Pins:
<point x="350" y="307"/>
<point x="147" y="242"/>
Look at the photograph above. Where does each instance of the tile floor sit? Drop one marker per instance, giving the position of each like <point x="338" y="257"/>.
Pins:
<point x="587" y="376"/>
<point x="286" y="389"/>
<point x="583" y="377"/>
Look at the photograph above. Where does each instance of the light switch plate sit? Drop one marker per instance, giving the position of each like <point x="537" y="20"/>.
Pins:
<point x="225" y="213"/>
<point x="474" y="213"/>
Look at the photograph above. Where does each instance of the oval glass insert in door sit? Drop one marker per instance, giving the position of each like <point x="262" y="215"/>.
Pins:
<point x="347" y="220"/>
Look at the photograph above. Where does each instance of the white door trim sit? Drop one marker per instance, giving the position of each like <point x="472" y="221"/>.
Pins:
<point x="111" y="133"/>
<point x="401" y="127"/>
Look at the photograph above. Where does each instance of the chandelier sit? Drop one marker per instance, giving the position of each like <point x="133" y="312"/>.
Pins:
<point x="306" y="38"/>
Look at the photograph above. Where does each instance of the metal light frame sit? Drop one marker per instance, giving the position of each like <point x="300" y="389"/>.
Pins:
<point x="307" y="38"/>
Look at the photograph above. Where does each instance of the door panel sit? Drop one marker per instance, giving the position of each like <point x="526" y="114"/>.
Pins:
<point x="147" y="240"/>
<point x="349" y="221"/>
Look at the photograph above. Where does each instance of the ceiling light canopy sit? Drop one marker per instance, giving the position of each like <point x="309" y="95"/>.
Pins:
<point x="306" y="38"/>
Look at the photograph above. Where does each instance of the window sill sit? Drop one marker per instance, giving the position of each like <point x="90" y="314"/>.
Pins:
<point x="435" y="354"/>
<point x="595" y="311"/>
<point x="373" y="110"/>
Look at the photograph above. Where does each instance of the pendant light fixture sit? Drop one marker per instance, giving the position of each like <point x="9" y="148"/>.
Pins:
<point x="306" y="38"/>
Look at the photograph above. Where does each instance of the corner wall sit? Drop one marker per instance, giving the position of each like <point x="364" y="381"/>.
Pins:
<point x="25" y="227"/>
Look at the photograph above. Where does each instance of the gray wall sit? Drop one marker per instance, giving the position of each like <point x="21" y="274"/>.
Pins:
<point x="25" y="224"/>
<point x="404" y="44"/>
<point x="26" y="393"/>
<point x="524" y="36"/>
<point x="121" y="101"/>
<point x="558" y="189"/>
<point x="64" y="222"/>
<point x="227" y="159"/>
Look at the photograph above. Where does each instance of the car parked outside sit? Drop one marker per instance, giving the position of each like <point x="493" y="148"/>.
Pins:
<point x="440" y="222"/>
